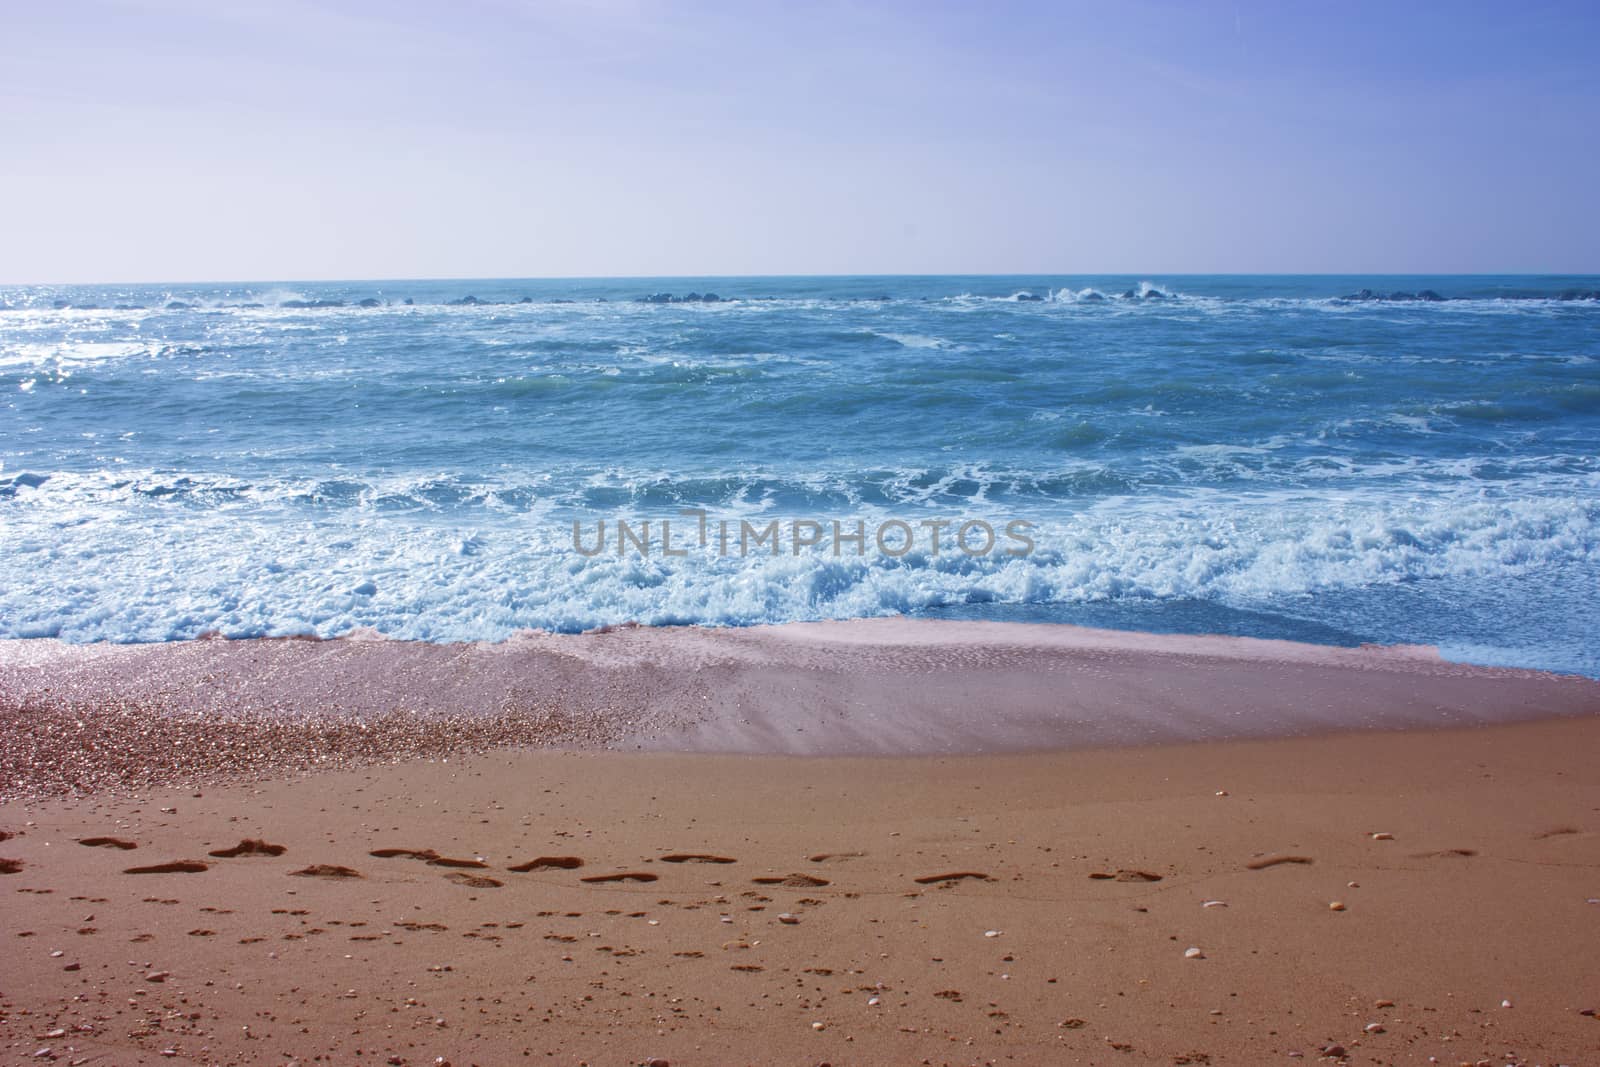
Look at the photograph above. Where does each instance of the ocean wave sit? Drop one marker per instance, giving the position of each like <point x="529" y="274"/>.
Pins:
<point x="284" y="307"/>
<point x="916" y="340"/>
<point x="1330" y="460"/>
<point x="109" y="573"/>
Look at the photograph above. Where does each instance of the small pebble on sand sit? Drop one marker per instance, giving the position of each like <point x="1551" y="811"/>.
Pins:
<point x="1336" y="905"/>
<point x="1193" y="953"/>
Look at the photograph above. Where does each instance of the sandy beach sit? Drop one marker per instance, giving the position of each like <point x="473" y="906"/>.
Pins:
<point x="1133" y="849"/>
<point x="690" y="534"/>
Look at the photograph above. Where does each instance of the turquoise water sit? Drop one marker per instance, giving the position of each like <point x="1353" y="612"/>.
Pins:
<point x="1248" y="455"/>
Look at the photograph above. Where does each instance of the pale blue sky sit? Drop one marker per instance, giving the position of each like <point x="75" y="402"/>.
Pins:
<point x="146" y="140"/>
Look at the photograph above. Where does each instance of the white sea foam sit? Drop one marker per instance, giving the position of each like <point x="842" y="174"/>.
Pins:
<point x="916" y="340"/>
<point x="153" y="569"/>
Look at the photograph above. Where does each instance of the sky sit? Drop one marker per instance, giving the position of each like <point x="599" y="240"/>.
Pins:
<point x="213" y="140"/>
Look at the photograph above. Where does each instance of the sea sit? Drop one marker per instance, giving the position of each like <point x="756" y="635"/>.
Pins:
<point x="1328" y="459"/>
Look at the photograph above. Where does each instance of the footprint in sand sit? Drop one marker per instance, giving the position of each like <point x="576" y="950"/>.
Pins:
<point x="429" y="856"/>
<point x="1445" y="853"/>
<point x="10" y="866"/>
<point x="1121" y="875"/>
<point x="1261" y="863"/>
<point x="547" y="862"/>
<point x="250" y="846"/>
<point x="797" y="881"/>
<point x="834" y="857"/>
<point x="174" y="867"/>
<point x="696" y="857"/>
<point x="953" y="876"/>
<point x="107" y="842"/>
<point x="1559" y="831"/>
<point x="326" y="870"/>
<point x="625" y="876"/>
<point x="473" y="881"/>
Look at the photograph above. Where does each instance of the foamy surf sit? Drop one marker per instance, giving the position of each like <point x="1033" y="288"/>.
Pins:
<point x="1196" y="454"/>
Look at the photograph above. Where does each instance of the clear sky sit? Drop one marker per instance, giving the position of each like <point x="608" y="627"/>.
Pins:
<point x="192" y="140"/>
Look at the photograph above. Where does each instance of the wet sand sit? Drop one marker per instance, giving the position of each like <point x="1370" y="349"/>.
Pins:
<point x="1007" y="905"/>
<point x="128" y="716"/>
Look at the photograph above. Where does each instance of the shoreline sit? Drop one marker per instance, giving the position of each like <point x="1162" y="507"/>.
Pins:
<point x="78" y="718"/>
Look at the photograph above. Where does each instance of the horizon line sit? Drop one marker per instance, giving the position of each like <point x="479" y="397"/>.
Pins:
<point x="811" y="276"/>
